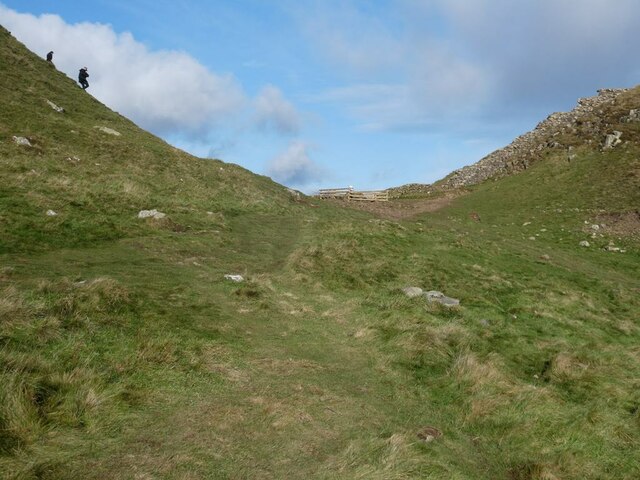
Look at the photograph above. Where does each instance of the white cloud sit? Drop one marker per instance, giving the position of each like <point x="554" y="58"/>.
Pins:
<point x="350" y="37"/>
<point x="294" y="167"/>
<point x="545" y="51"/>
<point x="447" y="84"/>
<point x="451" y="62"/>
<point x="402" y="79"/>
<point x="164" y="91"/>
<point x="273" y="111"/>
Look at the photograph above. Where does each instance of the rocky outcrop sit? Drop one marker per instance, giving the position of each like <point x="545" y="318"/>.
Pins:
<point x="559" y="130"/>
<point x="591" y="122"/>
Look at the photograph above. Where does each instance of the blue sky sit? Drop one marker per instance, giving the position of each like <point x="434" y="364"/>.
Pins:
<point x="325" y="93"/>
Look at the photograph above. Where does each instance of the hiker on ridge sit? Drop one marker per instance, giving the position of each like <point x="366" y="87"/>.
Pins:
<point x="50" y="57"/>
<point x="82" y="78"/>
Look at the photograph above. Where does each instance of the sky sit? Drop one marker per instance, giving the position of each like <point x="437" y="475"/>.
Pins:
<point x="334" y="93"/>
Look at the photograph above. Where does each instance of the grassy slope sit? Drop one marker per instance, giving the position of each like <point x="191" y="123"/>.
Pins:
<point x="125" y="354"/>
<point x="99" y="192"/>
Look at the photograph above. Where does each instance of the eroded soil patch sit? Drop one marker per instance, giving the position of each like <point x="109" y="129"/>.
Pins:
<point x="398" y="209"/>
<point x="623" y="224"/>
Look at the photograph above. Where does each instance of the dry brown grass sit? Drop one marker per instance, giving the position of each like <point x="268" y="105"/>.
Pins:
<point x="12" y="306"/>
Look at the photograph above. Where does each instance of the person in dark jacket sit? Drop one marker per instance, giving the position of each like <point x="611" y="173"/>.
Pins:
<point x="50" y="57"/>
<point x="82" y="78"/>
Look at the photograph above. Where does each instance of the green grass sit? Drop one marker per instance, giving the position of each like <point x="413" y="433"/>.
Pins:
<point x="124" y="353"/>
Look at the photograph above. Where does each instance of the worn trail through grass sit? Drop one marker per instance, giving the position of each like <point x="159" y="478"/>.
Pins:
<point x="234" y="380"/>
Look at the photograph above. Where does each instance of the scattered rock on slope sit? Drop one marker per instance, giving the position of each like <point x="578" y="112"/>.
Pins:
<point x="412" y="292"/>
<point x="612" y="139"/>
<point x="22" y="141"/>
<point x="441" y="298"/>
<point x="234" y="277"/>
<point x="151" y="214"/>
<point x="431" y="296"/>
<point x="108" y="130"/>
<point x="55" y="107"/>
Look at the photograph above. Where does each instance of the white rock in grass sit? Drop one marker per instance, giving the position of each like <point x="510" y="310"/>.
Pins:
<point x="412" y="291"/>
<point x="234" y="278"/>
<point x="441" y="298"/>
<point x="612" y="139"/>
<point x="22" y="141"/>
<point x="151" y="214"/>
<point x="55" y="107"/>
<point x="584" y="243"/>
<point x="108" y="130"/>
<point x="51" y="213"/>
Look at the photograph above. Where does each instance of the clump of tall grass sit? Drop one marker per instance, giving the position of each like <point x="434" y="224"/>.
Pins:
<point x="40" y="389"/>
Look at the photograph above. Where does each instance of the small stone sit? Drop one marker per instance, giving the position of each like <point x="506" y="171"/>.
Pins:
<point x="433" y="294"/>
<point x="612" y="140"/>
<point x="22" y="141"/>
<point x="532" y="238"/>
<point x="108" y="130"/>
<point x="412" y="292"/>
<point x="545" y="257"/>
<point x="51" y="213"/>
<point x="441" y="298"/>
<point x="151" y="214"/>
<point x="584" y="243"/>
<point x="595" y="227"/>
<point x="449" y="302"/>
<point x="234" y="277"/>
<point x="294" y="193"/>
<point x="55" y="107"/>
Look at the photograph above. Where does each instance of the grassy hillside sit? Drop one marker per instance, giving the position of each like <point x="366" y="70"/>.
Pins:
<point x="98" y="182"/>
<point x="125" y="353"/>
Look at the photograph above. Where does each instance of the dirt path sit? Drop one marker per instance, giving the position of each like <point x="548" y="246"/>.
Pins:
<point x="399" y="209"/>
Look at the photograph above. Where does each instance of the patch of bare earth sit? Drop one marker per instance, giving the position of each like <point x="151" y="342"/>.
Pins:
<point x="623" y="224"/>
<point x="398" y="209"/>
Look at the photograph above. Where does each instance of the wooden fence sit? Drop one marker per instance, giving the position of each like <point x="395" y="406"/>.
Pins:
<point x="336" y="192"/>
<point x="350" y="194"/>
